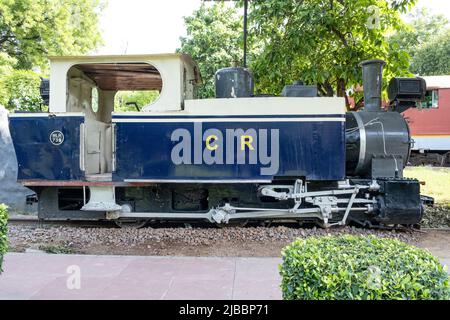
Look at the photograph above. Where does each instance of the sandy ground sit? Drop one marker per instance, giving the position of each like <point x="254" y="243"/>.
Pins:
<point x="436" y="241"/>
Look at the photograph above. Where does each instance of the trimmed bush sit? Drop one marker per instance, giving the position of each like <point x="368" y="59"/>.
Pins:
<point x="3" y="230"/>
<point x="360" y="268"/>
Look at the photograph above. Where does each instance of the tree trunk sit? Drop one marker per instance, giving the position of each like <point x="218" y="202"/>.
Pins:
<point x="341" y="92"/>
<point x="341" y="88"/>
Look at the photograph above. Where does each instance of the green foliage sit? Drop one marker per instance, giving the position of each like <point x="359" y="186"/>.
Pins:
<point x="426" y="38"/>
<point x="56" y="249"/>
<point x="433" y="58"/>
<point x="214" y="40"/>
<point x="30" y="30"/>
<point x="319" y="41"/>
<point x="141" y="98"/>
<point x="360" y="268"/>
<point x="6" y="67"/>
<point x="21" y="91"/>
<point x="323" y="41"/>
<point x="421" y="28"/>
<point x="3" y="231"/>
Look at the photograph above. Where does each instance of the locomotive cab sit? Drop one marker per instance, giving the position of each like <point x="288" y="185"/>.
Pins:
<point x="82" y="95"/>
<point x="93" y="85"/>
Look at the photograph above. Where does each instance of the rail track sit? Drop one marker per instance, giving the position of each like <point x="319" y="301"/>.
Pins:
<point x="35" y="222"/>
<point x="429" y="159"/>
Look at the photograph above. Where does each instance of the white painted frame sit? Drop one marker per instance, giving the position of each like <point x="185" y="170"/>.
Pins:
<point x="170" y="66"/>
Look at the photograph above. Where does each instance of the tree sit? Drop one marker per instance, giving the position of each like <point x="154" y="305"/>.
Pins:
<point x="22" y="91"/>
<point x="30" y="30"/>
<point x="433" y="58"/>
<point x="6" y="67"/>
<point x="427" y="40"/>
<point x="323" y="41"/>
<point x="214" y="40"/>
<point x="422" y="27"/>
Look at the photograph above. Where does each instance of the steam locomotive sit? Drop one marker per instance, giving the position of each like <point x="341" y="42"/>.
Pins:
<point x="232" y="159"/>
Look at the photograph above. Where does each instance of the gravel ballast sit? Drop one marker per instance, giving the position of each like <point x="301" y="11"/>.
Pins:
<point x="253" y="241"/>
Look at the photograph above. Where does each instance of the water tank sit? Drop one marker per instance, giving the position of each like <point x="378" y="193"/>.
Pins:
<point x="234" y="83"/>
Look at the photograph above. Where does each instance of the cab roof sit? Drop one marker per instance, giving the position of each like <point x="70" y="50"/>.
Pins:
<point x="133" y="72"/>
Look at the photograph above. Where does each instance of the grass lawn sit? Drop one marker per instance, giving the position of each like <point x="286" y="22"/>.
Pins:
<point x="437" y="181"/>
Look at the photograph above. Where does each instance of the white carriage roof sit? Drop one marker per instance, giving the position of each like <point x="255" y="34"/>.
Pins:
<point x="437" y="82"/>
<point x="125" y="72"/>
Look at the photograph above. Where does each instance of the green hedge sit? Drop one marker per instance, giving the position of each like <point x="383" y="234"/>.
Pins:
<point x="357" y="267"/>
<point x="3" y="230"/>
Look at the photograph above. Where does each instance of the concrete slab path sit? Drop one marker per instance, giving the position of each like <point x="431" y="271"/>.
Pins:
<point x="46" y="276"/>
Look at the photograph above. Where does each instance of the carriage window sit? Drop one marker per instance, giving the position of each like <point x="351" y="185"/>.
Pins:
<point x="435" y="99"/>
<point x="431" y="100"/>
<point x="134" y="100"/>
<point x="94" y="101"/>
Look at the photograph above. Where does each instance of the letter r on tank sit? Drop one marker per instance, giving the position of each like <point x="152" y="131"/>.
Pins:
<point x="247" y="141"/>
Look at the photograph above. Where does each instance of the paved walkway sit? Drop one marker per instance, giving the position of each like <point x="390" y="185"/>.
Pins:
<point x="44" y="276"/>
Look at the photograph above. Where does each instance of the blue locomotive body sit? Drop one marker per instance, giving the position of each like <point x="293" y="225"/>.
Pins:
<point x="161" y="148"/>
<point x="148" y="148"/>
<point x="40" y="158"/>
<point x="236" y="157"/>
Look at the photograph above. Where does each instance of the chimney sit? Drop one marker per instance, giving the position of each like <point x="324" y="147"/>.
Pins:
<point x="372" y="81"/>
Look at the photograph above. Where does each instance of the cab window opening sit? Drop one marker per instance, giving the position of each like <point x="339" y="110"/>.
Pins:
<point x="98" y="89"/>
<point x="129" y="101"/>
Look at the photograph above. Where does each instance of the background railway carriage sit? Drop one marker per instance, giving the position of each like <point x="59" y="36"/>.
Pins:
<point x="430" y="124"/>
<point x="233" y="158"/>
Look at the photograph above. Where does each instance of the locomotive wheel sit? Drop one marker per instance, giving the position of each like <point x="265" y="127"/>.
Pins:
<point x="131" y="223"/>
